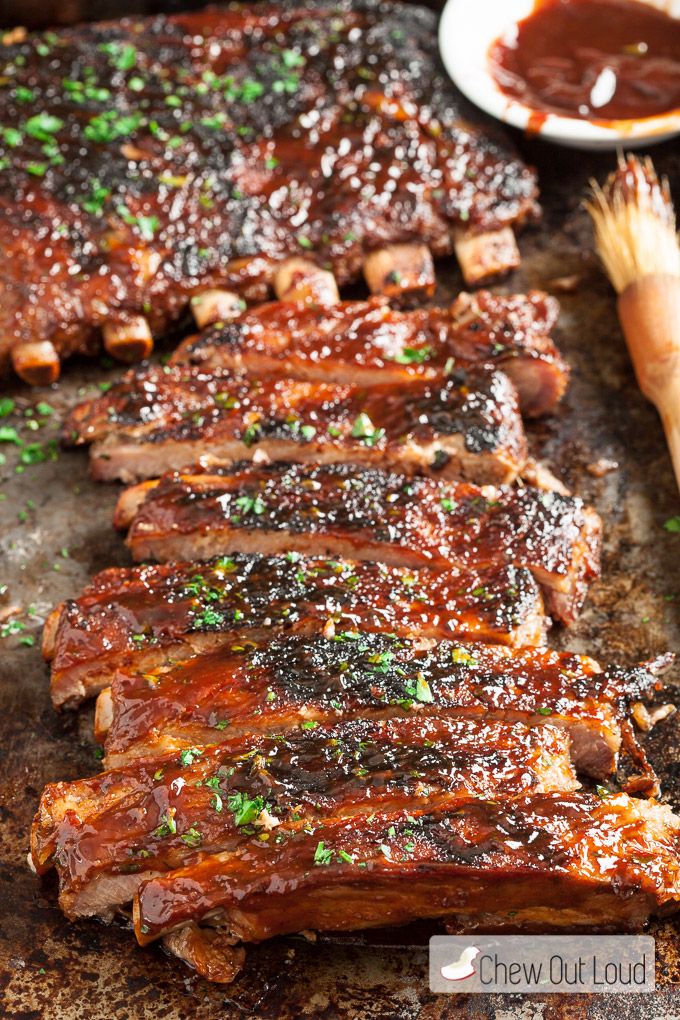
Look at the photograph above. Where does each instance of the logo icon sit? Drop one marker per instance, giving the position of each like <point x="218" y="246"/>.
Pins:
<point x="462" y="968"/>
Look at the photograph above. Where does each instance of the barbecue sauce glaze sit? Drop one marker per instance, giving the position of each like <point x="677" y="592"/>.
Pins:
<point x="592" y="59"/>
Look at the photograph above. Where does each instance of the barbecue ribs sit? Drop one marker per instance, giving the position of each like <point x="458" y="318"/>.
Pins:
<point x="365" y="513"/>
<point x="369" y="343"/>
<point x="545" y="862"/>
<point x="146" y="617"/>
<point x="288" y="681"/>
<point x="86" y="829"/>
<point x="148" y="160"/>
<point x="467" y="426"/>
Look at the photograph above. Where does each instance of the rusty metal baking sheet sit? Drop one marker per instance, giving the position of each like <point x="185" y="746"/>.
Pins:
<point x="55" y="532"/>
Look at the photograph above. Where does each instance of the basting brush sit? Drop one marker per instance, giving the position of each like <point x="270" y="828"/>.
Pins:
<point x="635" y="236"/>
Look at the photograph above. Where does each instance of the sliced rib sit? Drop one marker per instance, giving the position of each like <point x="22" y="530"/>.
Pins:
<point x="548" y="861"/>
<point x="463" y="427"/>
<point x="368" y="342"/>
<point x="277" y="685"/>
<point x="144" y="617"/>
<point x="365" y="513"/>
<point x="166" y="812"/>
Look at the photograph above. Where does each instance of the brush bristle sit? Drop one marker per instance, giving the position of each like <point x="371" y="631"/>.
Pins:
<point x="634" y="224"/>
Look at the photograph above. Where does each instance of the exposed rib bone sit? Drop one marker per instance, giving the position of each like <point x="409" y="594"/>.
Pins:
<point x="482" y="256"/>
<point x="399" y="270"/>
<point x="36" y="363"/>
<point x="128" y="339"/>
<point x="215" y="306"/>
<point x="298" y="279"/>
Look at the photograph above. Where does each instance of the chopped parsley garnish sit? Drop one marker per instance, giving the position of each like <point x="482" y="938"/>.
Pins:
<point x="146" y="225"/>
<point x="413" y="356"/>
<point x="673" y="525"/>
<point x="462" y="657"/>
<point x="108" y="126"/>
<point x="245" y="809"/>
<point x="251" y="505"/>
<point x="191" y="837"/>
<point x="322" y="855"/>
<point x="43" y="126"/>
<point x="189" y="755"/>
<point x="167" y="827"/>
<point x="209" y="617"/>
<point x="364" y="430"/>
<point x="420" y="690"/>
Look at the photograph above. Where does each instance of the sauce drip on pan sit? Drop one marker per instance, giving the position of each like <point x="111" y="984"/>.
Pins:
<point x="593" y="59"/>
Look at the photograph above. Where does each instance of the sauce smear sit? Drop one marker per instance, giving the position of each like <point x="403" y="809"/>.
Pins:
<point x="593" y="59"/>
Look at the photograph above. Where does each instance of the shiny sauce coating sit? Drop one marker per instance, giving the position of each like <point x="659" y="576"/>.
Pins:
<point x="592" y="59"/>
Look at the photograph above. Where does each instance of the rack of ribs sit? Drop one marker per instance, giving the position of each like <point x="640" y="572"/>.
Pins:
<point x="367" y="514"/>
<point x="289" y="681"/>
<point x="174" y="809"/>
<point x="466" y="426"/>
<point x="179" y="154"/>
<point x="369" y="342"/>
<point x="143" y="618"/>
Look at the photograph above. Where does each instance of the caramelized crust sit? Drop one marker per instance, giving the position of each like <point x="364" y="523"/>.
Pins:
<point x="280" y="683"/>
<point x="369" y="343"/>
<point x="548" y="861"/>
<point x="465" y="426"/>
<point x="164" y="813"/>
<point x="346" y="510"/>
<point x="148" y="160"/>
<point x="145" y="617"/>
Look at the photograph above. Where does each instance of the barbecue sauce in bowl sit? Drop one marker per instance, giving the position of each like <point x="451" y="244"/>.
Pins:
<point x="599" y="60"/>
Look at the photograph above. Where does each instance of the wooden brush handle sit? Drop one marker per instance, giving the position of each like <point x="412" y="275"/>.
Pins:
<point x="649" y="311"/>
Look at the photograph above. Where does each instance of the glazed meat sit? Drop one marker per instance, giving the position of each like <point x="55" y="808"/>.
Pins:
<point x="143" y="618"/>
<point x="167" y="812"/>
<point x="147" y="160"/>
<point x="369" y="343"/>
<point x="467" y="426"/>
<point x="362" y="513"/>
<point x="286" y="682"/>
<point x="549" y="861"/>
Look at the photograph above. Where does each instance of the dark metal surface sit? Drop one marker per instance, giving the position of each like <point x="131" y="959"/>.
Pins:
<point x="52" y="969"/>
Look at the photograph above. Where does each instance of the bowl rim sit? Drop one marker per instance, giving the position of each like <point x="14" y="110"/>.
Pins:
<point x="477" y="83"/>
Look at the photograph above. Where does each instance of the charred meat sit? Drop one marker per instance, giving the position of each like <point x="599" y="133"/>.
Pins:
<point x="371" y="343"/>
<point x="286" y="682"/>
<point x="466" y="426"/>
<point x="170" y="811"/>
<point x="362" y="513"/>
<point x="145" y="617"/>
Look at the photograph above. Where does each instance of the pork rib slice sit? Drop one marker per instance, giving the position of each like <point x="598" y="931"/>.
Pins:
<point x="467" y="426"/>
<point x="368" y="342"/>
<point x="552" y="861"/>
<point x="366" y="513"/>
<point x="202" y="150"/>
<point x="279" y="684"/>
<point x="163" y="813"/>
<point x="144" y="617"/>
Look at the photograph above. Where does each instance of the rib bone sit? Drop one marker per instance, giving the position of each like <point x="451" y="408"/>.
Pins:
<point x="215" y="306"/>
<point x="400" y="270"/>
<point x="128" y="339"/>
<point x="36" y="363"/>
<point x="482" y="256"/>
<point x="298" y="279"/>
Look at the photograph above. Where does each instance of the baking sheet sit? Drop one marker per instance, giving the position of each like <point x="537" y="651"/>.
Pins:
<point x="52" y="969"/>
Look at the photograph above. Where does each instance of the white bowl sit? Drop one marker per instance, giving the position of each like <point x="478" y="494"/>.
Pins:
<point x="467" y="30"/>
